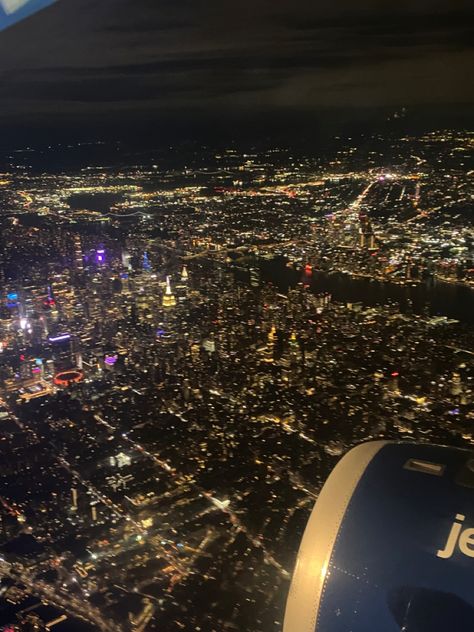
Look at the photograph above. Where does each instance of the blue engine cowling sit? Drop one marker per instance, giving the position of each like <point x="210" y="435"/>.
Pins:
<point x="13" y="11"/>
<point x="389" y="545"/>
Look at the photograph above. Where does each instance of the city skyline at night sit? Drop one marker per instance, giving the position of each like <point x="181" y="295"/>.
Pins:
<point x="236" y="241"/>
<point x="180" y="362"/>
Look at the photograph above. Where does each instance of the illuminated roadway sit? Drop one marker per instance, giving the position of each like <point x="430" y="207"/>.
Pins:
<point x="60" y="598"/>
<point x="41" y="589"/>
<point x="55" y="595"/>
<point x="179" y="479"/>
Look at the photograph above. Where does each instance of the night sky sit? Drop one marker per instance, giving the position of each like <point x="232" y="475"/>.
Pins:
<point x="215" y="64"/>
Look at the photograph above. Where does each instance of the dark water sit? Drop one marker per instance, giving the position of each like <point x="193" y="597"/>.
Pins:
<point x="94" y="201"/>
<point x="433" y="297"/>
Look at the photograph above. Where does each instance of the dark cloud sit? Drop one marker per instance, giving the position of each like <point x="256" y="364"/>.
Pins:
<point x="91" y="59"/>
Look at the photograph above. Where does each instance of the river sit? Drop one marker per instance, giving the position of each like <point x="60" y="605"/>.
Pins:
<point x="437" y="298"/>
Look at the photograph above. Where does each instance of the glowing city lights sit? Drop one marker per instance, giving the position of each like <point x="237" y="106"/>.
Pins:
<point x="60" y="338"/>
<point x="67" y="378"/>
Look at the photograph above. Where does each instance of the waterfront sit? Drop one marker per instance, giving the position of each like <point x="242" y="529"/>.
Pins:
<point x="434" y="297"/>
<point x="210" y="403"/>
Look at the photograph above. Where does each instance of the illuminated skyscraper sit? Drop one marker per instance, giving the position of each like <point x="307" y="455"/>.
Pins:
<point x="62" y="351"/>
<point x="393" y="386"/>
<point x="146" y="262"/>
<point x="74" y="498"/>
<point x="254" y="275"/>
<point x="456" y="384"/>
<point x="169" y="299"/>
<point x="78" y="258"/>
<point x="366" y="233"/>
<point x="76" y="353"/>
<point x="182" y="288"/>
<point x="293" y="349"/>
<point x="289" y="361"/>
<point x="126" y="260"/>
<point x="268" y="351"/>
<point x="100" y="256"/>
<point x="125" y="282"/>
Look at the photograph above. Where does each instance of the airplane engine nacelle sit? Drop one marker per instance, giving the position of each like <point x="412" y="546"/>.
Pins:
<point x="389" y="545"/>
<point x="13" y="11"/>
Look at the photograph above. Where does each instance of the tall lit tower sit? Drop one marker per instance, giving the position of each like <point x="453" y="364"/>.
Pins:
<point x="126" y="260"/>
<point x="456" y="384"/>
<point x="78" y="260"/>
<point x="62" y="352"/>
<point x="254" y="275"/>
<point x="393" y="386"/>
<point x="269" y="349"/>
<point x="293" y="348"/>
<point x="125" y="282"/>
<point x="290" y="360"/>
<point x="182" y="287"/>
<point x="77" y="354"/>
<point x="366" y="232"/>
<point x="169" y="300"/>
<point x="100" y="256"/>
<point x="146" y="262"/>
<point x="74" y="498"/>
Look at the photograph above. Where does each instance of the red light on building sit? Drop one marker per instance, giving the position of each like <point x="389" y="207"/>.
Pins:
<point x="395" y="374"/>
<point x="66" y="378"/>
